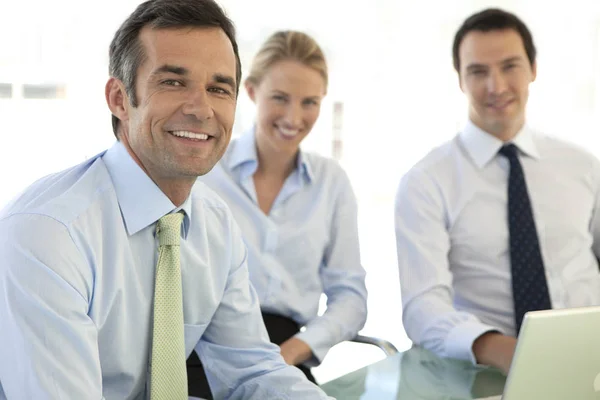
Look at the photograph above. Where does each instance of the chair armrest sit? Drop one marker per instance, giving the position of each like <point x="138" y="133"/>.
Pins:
<point x="388" y="348"/>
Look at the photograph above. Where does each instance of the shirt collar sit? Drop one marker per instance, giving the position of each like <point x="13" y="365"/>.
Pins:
<point x="243" y="152"/>
<point x="303" y="164"/>
<point x="483" y="147"/>
<point x="142" y="203"/>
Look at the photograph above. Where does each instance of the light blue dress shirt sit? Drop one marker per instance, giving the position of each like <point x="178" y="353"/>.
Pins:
<point x="77" y="264"/>
<point x="453" y="241"/>
<point x="306" y="246"/>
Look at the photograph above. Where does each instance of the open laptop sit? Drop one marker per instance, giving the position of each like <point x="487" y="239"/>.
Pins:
<point x="557" y="356"/>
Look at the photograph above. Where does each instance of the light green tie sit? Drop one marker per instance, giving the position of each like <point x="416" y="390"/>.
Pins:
<point x="169" y="375"/>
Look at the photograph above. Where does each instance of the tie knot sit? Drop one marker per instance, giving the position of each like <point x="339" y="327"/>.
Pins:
<point x="509" y="151"/>
<point x="169" y="229"/>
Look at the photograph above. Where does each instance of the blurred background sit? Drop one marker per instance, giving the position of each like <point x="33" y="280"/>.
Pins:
<point x="393" y="96"/>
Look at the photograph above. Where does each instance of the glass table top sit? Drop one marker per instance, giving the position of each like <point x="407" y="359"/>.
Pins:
<point x="417" y="374"/>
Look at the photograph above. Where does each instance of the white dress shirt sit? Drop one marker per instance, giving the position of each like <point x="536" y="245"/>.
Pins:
<point x="453" y="242"/>
<point x="77" y="267"/>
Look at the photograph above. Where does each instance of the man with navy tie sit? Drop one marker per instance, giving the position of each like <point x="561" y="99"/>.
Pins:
<point x="500" y="220"/>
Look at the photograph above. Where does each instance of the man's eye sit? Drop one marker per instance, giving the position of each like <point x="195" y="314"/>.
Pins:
<point x="172" y="82"/>
<point x="219" y="90"/>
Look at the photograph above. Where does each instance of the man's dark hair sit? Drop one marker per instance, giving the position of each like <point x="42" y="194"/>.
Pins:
<point x="493" y="19"/>
<point x="126" y="52"/>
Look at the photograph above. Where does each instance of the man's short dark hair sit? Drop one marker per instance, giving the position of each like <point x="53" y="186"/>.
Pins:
<point x="126" y="52"/>
<point x="493" y="19"/>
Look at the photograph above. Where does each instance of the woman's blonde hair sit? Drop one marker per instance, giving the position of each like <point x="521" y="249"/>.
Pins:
<point x="287" y="45"/>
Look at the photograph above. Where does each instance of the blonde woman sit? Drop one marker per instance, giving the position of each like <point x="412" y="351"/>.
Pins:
<point x="296" y="210"/>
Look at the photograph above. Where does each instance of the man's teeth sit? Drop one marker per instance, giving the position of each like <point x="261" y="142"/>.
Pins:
<point x="191" y="135"/>
<point x="289" y="132"/>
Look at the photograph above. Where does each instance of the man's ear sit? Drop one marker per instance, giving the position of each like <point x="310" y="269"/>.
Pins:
<point x="117" y="99"/>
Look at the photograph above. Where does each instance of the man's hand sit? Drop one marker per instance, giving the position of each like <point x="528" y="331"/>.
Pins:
<point x="495" y="349"/>
<point x="295" y="351"/>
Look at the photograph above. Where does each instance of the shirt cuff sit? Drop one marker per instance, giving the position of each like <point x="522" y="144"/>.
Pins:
<point x="313" y="337"/>
<point x="459" y="342"/>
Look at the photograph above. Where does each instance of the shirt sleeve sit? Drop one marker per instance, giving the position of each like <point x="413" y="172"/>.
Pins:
<point x="423" y="245"/>
<point x="239" y="360"/>
<point x="48" y="343"/>
<point x="343" y="280"/>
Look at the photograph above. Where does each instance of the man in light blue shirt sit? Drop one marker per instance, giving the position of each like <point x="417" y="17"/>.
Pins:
<point x="79" y="248"/>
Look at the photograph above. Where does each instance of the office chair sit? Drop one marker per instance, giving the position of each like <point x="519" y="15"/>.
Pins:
<point x="387" y="347"/>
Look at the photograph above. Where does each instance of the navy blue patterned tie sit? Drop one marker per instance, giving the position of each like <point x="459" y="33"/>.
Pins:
<point x="530" y="289"/>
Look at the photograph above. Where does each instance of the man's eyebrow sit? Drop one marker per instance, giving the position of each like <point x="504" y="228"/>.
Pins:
<point x="476" y="66"/>
<point x="182" y="71"/>
<point x="225" y="79"/>
<point x="505" y="61"/>
<point x="512" y="59"/>
<point x="170" y="69"/>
